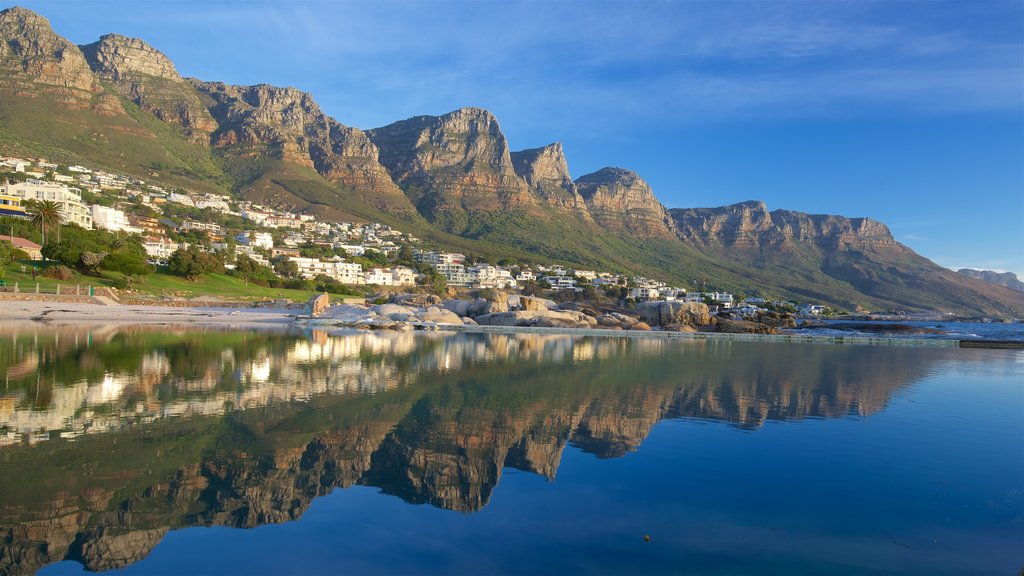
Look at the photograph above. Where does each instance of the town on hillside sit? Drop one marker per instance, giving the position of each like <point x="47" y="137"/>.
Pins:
<point x="171" y="221"/>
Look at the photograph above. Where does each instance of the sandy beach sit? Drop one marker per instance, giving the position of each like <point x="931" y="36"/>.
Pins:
<point x="23" y="313"/>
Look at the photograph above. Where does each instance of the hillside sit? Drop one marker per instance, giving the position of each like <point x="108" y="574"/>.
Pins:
<point x="452" y="179"/>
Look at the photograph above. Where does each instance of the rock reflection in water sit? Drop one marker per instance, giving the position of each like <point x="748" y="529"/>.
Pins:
<point x="165" y="430"/>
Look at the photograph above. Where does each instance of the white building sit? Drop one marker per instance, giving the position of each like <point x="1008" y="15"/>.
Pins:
<point x="487" y="276"/>
<point x="183" y="199"/>
<point x="159" y="248"/>
<point x="587" y="275"/>
<point x="112" y="219"/>
<point x="526" y="276"/>
<point x="560" y="282"/>
<point x="644" y="293"/>
<point x="344" y="272"/>
<point x="68" y="199"/>
<point x="214" y="202"/>
<point x="438" y="258"/>
<point x="455" y="274"/>
<point x="256" y="239"/>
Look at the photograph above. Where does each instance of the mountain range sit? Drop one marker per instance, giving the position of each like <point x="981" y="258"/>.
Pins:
<point x="120" y="104"/>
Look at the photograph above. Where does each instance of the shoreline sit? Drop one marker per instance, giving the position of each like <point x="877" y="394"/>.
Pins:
<point x="23" y="314"/>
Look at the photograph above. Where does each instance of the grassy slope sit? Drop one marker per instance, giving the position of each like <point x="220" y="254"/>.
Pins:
<point x="133" y="142"/>
<point x="220" y="286"/>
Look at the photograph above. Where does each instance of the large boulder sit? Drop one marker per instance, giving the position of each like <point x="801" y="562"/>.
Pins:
<point x="776" y="320"/>
<point x="348" y="313"/>
<point x="533" y="303"/>
<point x="731" y="326"/>
<point x="460" y="307"/>
<point x="318" y="304"/>
<point x="640" y="326"/>
<point x="498" y="302"/>
<point x="396" y="311"/>
<point x="662" y="313"/>
<point x="543" y="318"/>
<point x="415" y="300"/>
<point x="439" y="316"/>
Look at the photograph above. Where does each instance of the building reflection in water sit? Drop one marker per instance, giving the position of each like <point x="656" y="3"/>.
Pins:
<point x="200" y="428"/>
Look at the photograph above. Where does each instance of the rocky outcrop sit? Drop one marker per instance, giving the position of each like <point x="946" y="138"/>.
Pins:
<point x="1007" y="279"/>
<point x="620" y="201"/>
<point x="318" y="304"/>
<point x="452" y="165"/>
<point x="751" y="225"/>
<point x="31" y="53"/>
<point x="666" y="313"/>
<point x="539" y="318"/>
<point x="547" y="173"/>
<point x="145" y="76"/>
<point x="288" y="124"/>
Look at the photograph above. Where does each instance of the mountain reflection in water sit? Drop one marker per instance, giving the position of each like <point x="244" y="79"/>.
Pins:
<point x="115" y="436"/>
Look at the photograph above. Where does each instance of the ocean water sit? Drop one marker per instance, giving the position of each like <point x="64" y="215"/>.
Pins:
<point x="949" y="330"/>
<point x="209" y="452"/>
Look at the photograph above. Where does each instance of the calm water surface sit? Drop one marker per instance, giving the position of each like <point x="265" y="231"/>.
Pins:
<point x="165" y="452"/>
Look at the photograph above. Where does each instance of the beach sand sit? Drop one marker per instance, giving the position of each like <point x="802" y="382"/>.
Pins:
<point x="24" y="313"/>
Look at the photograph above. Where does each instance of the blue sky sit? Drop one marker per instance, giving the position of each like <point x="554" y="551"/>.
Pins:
<point x="909" y="113"/>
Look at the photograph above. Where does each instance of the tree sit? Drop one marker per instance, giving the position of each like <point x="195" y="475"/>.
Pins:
<point x="193" y="263"/>
<point x="90" y="261"/>
<point x="46" y="214"/>
<point x="285" y="267"/>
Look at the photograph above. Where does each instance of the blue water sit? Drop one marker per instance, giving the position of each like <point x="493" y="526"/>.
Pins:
<point x="474" y="454"/>
<point x="950" y="330"/>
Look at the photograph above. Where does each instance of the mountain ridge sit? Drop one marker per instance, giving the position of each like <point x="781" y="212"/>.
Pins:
<point x="452" y="178"/>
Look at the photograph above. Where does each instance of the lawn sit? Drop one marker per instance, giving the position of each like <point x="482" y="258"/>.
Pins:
<point x="161" y="283"/>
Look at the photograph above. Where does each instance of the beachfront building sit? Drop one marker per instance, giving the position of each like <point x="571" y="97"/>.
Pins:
<point x="160" y="248"/>
<point x="644" y="293"/>
<point x="69" y="200"/>
<point x="455" y="275"/>
<point x="336" y="268"/>
<point x="436" y="259"/>
<point x="526" y="275"/>
<point x="397" y="276"/>
<point x="112" y="219"/>
<point x="487" y="276"/>
<point x="11" y="206"/>
<point x="560" y="282"/>
<point x="33" y="250"/>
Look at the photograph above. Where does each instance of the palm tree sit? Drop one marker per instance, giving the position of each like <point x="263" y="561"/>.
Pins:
<point x="47" y="213"/>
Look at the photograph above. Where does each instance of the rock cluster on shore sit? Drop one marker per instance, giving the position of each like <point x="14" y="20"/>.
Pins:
<point x="425" y="311"/>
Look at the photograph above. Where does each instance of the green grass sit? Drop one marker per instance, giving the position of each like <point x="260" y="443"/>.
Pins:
<point x="160" y="284"/>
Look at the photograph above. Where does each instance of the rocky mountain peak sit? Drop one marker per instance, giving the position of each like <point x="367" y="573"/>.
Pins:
<point x="459" y="161"/>
<point x="1007" y="279"/>
<point x="290" y="123"/>
<point x="114" y="56"/>
<point x="546" y="163"/>
<point x="750" y="224"/>
<point x="621" y="201"/>
<point x="34" y="53"/>
<point x="142" y="74"/>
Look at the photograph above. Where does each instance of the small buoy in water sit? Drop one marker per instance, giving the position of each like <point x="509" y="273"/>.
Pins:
<point x="647" y="537"/>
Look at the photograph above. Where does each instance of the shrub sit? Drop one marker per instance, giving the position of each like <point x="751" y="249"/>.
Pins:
<point x="59" y="273"/>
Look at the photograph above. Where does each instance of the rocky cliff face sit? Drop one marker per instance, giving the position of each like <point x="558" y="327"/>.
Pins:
<point x="750" y="225"/>
<point x="1007" y="279"/>
<point x="32" y="53"/>
<point x="547" y="173"/>
<point x="621" y="201"/>
<point x="145" y="76"/>
<point x="288" y="124"/>
<point x="456" y="162"/>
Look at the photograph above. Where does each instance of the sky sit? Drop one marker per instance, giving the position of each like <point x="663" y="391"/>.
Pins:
<point x="910" y="113"/>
